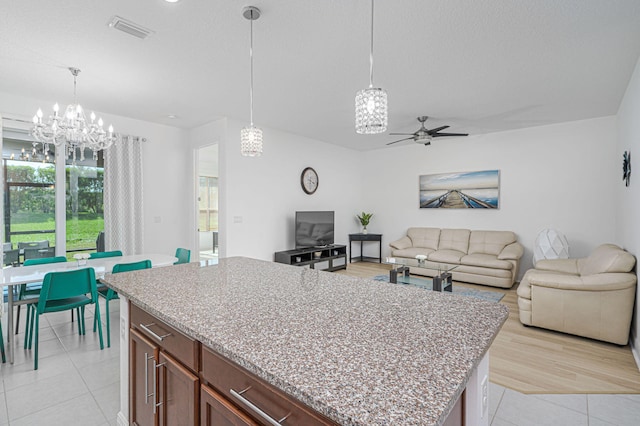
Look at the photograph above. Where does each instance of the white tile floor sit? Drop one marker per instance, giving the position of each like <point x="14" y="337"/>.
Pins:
<point x="509" y="408"/>
<point x="78" y="384"/>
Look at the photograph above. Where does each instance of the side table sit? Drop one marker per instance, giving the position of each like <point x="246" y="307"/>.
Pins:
<point x="362" y="238"/>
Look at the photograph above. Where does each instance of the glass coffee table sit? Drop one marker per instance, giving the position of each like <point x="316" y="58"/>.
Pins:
<point x="400" y="273"/>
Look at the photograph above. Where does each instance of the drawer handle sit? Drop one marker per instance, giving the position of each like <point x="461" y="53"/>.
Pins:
<point x="146" y="377"/>
<point x="255" y="409"/>
<point x="156" y="404"/>
<point x="148" y="330"/>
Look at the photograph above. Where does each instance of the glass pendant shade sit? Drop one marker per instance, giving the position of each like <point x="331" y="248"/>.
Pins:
<point x="371" y="103"/>
<point x="371" y="111"/>
<point x="251" y="137"/>
<point x="251" y="141"/>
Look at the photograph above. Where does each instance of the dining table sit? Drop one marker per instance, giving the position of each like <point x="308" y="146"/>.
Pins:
<point x="12" y="277"/>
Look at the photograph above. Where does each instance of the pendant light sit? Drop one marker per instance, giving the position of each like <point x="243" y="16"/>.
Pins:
<point x="371" y="103"/>
<point x="251" y="137"/>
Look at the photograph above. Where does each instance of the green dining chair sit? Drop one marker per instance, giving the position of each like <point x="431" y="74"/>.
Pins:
<point x="63" y="291"/>
<point x="110" y="294"/>
<point x="183" y="255"/>
<point x="102" y="254"/>
<point x="32" y="291"/>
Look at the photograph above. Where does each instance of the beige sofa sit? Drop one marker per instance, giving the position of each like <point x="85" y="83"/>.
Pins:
<point x="591" y="297"/>
<point x="483" y="257"/>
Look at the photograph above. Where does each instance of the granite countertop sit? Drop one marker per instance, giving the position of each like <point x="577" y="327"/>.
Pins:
<point x="359" y="351"/>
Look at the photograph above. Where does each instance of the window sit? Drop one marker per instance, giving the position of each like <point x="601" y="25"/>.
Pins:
<point x="30" y="200"/>
<point x="84" y="203"/>
<point x="208" y="204"/>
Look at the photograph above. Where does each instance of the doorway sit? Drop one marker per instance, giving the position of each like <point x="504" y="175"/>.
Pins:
<point x="207" y="175"/>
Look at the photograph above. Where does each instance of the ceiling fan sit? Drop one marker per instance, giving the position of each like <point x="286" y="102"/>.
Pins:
<point x="424" y="135"/>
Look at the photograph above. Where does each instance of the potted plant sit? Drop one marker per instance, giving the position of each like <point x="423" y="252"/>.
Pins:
<point x="364" y="219"/>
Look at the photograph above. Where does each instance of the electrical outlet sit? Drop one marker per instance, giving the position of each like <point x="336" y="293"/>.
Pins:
<point x="484" y="386"/>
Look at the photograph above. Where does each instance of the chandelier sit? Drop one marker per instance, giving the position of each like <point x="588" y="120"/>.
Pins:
<point x="251" y="137"/>
<point x="36" y="155"/>
<point x="72" y="130"/>
<point x="371" y="103"/>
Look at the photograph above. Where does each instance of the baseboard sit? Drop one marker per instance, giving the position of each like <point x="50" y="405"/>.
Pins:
<point x="122" y="419"/>
<point x="634" y="350"/>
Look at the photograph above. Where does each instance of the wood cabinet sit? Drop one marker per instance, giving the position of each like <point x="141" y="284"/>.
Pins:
<point x="141" y="352"/>
<point x="178" y="393"/>
<point x="216" y="410"/>
<point x="265" y="403"/>
<point x="164" y="388"/>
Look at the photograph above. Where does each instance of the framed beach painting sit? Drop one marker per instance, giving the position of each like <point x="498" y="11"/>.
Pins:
<point x="465" y="190"/>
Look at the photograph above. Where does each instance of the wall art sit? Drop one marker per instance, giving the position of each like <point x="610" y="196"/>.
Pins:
<point x="626" y="167"/>
<point x="465" y="190"/>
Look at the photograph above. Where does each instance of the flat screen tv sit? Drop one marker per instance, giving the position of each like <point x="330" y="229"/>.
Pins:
<point x="314" y="229"/>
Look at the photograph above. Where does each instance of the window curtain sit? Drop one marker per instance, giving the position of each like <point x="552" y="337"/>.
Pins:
<point x="123" y="203"/>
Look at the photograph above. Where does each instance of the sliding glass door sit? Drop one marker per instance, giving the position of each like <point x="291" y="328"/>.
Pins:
<point x="29" y="202"/>
<point x="30" y="183"/>
<point x="84" y="204"/>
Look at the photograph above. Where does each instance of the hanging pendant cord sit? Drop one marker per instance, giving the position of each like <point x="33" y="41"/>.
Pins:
<point x="251" y="72"/>
<point x="371" y="52"/>
<point x="74" y="72"/>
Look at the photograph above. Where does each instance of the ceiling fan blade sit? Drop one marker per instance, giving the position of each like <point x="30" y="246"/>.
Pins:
<point x="437" y="129"/>
<point x="402" y="133"/>
<point x="435" y="135"/>
<point x="405" y="139"/>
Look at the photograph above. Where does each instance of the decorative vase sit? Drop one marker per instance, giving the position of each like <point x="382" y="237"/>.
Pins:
<point x="364" y="230"/>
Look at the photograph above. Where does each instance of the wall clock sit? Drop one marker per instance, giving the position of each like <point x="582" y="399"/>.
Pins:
<point x="309" y="180"/>
<point x="626" y="167"/>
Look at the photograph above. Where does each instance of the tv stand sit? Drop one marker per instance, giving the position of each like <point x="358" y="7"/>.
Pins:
<point x="326" y="258"/>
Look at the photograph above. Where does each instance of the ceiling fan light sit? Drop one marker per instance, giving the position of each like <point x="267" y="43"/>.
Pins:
<point x="371" y="111"/>
<point x="251" y="141"/>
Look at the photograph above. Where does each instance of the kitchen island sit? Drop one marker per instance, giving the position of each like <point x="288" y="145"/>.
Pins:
<point x="356" y="351"/>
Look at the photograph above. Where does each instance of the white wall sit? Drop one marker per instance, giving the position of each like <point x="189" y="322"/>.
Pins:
<point x="165" y="158"/>
<point x="261" y="195"/>
<point x="560" y="176"/>
<point x="628" y="198"/>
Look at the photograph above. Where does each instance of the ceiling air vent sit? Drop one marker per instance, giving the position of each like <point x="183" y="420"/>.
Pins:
<point x="129" y="27"/>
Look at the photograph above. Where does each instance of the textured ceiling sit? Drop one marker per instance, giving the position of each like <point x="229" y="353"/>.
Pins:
<point x="479" y="66"/>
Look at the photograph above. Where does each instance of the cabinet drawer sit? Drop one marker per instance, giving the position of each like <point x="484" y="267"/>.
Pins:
<point x="166" y="337"/>
<point x="229" y="378"/>
<point x="217" y="411"/>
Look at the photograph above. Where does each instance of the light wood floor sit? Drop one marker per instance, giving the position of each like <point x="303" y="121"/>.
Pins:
<point x="534" y="360"/>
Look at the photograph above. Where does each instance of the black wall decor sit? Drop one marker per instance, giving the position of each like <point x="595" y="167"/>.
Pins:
<point x="626" y="167"/>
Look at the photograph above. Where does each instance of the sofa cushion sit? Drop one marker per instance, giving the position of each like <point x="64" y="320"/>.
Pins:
<point x="446" y="256"/>
<point x="424" y="237"/>
<point x="606" y="258"/>
<point x="490" y="242"/>
<point x="454" y="239"/>
<point x="411" y="252"/>
<point x="480" y="271"/>
<point x="486" y="261"/>
<point x="402" y="243"/>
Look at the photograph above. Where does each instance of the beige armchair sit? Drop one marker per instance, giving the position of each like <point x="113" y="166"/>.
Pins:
<point x="591" y="297"/>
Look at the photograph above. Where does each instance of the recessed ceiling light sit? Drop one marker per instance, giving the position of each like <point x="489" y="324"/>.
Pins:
<point x="172" y="116"/>
<point x="172" y="1"/>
